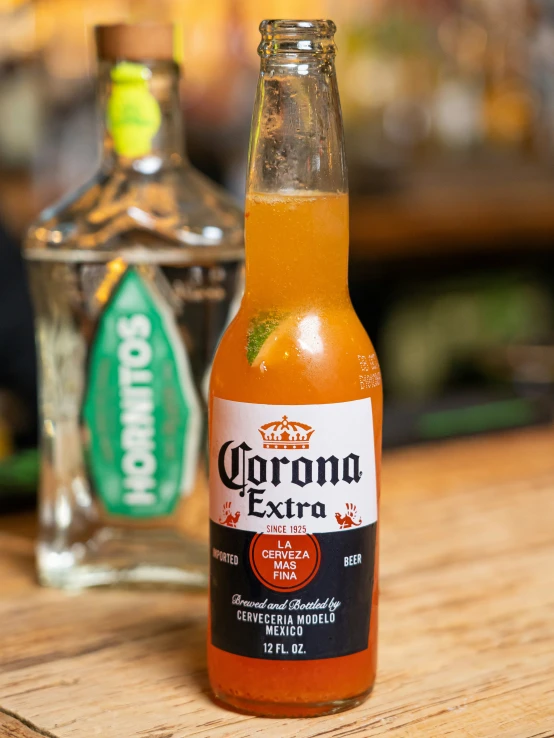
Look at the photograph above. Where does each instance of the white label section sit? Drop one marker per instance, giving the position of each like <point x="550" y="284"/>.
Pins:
<point x="292" y="468"/>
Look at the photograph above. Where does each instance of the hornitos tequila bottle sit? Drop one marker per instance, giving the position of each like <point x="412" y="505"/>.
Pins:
<point x="133" y="279"/>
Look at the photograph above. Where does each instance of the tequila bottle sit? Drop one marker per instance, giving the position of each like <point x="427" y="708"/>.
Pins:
<point x="133" y="278"/>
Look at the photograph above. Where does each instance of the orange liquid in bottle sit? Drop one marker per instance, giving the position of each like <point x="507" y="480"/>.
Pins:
<point x="315" y="352"/>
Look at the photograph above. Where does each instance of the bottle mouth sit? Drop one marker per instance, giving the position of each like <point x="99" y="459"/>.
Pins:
<point x="297" y="37"/>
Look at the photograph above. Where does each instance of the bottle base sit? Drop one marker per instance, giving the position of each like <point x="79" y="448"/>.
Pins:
<point x="289" y="709"/>
<point x="123" y="559"/>
<point x="139" y="577"/>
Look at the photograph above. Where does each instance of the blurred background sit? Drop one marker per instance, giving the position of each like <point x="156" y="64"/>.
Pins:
<point x="449" y="114"/>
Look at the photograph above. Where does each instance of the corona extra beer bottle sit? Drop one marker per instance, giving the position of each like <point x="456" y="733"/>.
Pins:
<point x="295" y="415"/>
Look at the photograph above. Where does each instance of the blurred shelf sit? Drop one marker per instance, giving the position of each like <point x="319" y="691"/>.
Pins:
<point x="428" y="214"/>
<point x="434" y="215"/>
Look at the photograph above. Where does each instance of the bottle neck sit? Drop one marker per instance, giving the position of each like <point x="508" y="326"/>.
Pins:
<point x="296" y="250"/>
<point x="141" y="116"/>
<point x="296" y="226"/>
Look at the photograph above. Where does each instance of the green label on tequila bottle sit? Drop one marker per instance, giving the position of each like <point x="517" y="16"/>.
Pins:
<point x="134" y="115"/>
<point x="141" y="408"/>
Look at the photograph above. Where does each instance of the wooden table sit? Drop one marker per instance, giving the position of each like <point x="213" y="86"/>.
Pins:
<point x="467" y="620"/>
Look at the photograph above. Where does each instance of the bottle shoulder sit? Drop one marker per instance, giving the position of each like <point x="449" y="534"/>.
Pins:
<point x="176" y="208"/>
<point x="297" y="357"/>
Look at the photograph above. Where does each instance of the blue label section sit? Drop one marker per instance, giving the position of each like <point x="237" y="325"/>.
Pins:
<point x="328" y="617"/>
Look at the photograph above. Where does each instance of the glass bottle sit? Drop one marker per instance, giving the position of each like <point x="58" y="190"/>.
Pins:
<point x="295" y="415"/>
<point x="133" y="279"/>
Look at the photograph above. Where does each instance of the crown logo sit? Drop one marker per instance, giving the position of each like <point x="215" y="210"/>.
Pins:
<point x="286" y="433"/>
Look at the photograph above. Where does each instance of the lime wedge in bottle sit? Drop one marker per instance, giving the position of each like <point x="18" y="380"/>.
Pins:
<point x="264" y="333"/>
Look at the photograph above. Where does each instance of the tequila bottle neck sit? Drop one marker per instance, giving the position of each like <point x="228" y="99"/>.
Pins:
<point x="141" y="116"/>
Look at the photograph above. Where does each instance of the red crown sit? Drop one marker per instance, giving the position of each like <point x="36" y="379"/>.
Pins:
<point x="286" y="433"/>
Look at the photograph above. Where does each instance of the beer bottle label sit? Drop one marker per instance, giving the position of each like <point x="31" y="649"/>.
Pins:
<point x="293" y="508"/>
<point x="141" y="411"/>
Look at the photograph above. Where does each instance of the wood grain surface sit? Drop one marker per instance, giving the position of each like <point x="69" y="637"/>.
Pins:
<point x="467" y="620"/>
